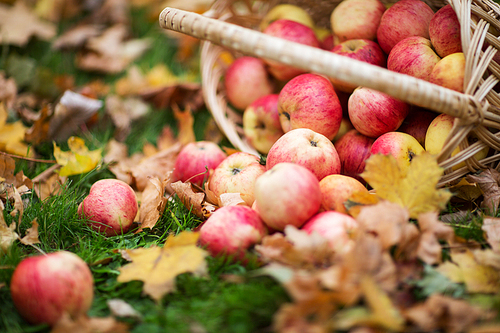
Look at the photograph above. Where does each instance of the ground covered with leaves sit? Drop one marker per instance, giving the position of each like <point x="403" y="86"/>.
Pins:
<point x="94" y="89"/>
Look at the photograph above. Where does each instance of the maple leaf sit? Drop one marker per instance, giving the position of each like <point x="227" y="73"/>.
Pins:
<point x="153" y="203"/>
<point x="12" y="135"/>
<point x="190" y="199"/>
<point x="158" y="266"/>
<point x="31" y="236"/>
<point x="18" y="24"/>
<point x="488" y="182"/>
<point x="78" y="160"/>
<point x="415" y="190"/>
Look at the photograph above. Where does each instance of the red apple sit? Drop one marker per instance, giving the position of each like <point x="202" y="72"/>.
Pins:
<point x="294" y="32"/>
<point x="232" y="230"/>
<point x="353" y="149"/>
<point x="44" y="287"/>
<point x="245" y="80"/>
<point x="413" y="56"/>
<point x="287" y="194"/>
<point x="195" y="161"/>
<point x="110" y="207"/>
<point x="417" y="122"/>
<point x="359" y="49"/>
<point x="449" y="72"/>
<point x="237" y="174"/>
<point x="307" y="148"/>
<point x="403" y="19"/>
<point x="261" y="123"/>
<point x="444" y="32"/>
<point x="310" y="101"/>
<point x="336" y="190"/>
<point x="374" y="113"/>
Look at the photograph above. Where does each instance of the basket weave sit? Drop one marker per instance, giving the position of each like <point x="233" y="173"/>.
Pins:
<point x="230" y="25"/>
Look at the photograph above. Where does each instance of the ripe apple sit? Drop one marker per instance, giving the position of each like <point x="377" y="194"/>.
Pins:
<point x="336" y="189"/>
<point x="359" y="49"/>
<point x="193" y="161"/>
<point x="444" y="32"/>
<point x="353" y="149"/>
<point x="288" y="193"/>
<point x="336" y="227"/>
<point x="286" y="12"/>
<point x="44" y="287"/>
<point x="325" y="37"/>
<point x="374" y="113"/>
<point x="416" y="123"/>
<point x="261" y="123"/>
<point x="111" y="207"/>
<point x="310" y="101"/>
<point x="345" y="126"/>
<point x="357" y="19"/>
<point x="245" y="80"/>
<point x="232" y="230"/>
<point x="403" y="19"/>
<point x="449" y="72"/>
<point x="292" y="31"/>
<point x="413" y="56"/>
<point x="237" y="174"/>
<point x="307" y="148"/>
<point x="400" y="145"/>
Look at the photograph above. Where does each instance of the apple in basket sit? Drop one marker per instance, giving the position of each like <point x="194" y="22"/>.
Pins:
<point x="310" y="101"/>
<point x="413" y="56"/>
<point x="261" y="123"/>
<point x="444" y="32"/>
<point x="357" y="19"/>
<point x="287" y="194"/>
<point x="400" y="145"/>
<point x="195" y="161"/>
<point x="286" y="11"/>
<point x="294" y="32"/>
<point x="245" y="80"/>
<point x="417" y="122"/>
<point x="353" y="149"/>
<point x="449" y="72"/>
<point x="374" y="113"/>
<point x="237" y="174"/>
<point x="403" y="19"/>
<point x="336" y="190"/>
<point x="307" y="148"/>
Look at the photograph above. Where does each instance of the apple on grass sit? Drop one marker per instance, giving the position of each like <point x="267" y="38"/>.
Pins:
<point x="196" y="160"/>
<point x="353" y="150"/>
<point x="336" y="190"/>
<point x="417" y="122"/>
<point x="237" y="174"/>
<point x="245" y="80"/>
<point x="110" y="207"/>
<point x="261" y="123"/>
<point x="232" y="230"/>
<point x="307" y="148"/>
<point x="400" y="145"/>
<point x="309" y="101"/>
<point x="44" y="287"/>
<point x="374" y="113"/>
<point x="444" y="32"/>
<point x="449" y="72"/>
<point x="287" y="194"/>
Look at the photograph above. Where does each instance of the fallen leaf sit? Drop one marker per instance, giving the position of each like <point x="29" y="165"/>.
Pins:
<point x="185" y="123"/>
<point x="432" y="230"/>
<point x="84" y="324"/>
<point x="39" y="131"/>
<point x="79" y="159"/>
<point x="123" y="112"/>
<point x="55" y="10"/>
<point x="158" y="267"/>
<point x="76" y="36"/>
<point x="192" y="200"/>
<point x="120" y="308"/>
<point x="12" y="135"/>
<point x="491" y="226"/>
<point x="487" y="180"/>
<point x="153" y="203"/>
<point x="31" y="236"/>
<point x="7" y="232"/>
<point x="48" y="183"/>
<point x="8" y="90"/>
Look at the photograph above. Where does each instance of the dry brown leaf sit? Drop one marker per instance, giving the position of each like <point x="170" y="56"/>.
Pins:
<point x="185" y="94"/>
<point x="31" y="236"/>
<point x="432" y="230"/>
<point x="166" y="139"/>
<point x="159" y="266"/>
<point x="231" y="199"/>
<point x="39" y="131"/>
<point x="111" y="12"/>
<point x="153" y="203"/>
<point x="115" y="152"/>
<point x="55" y="10"/>
<point x="8" y="234"/>
<point x="120" y="308"/>
<point x="190" y="199"/>
<point x="77" y="36"/>
<point x="84" y="324"/>
<point x="48" y="183"/>
<point x="491" y="226"/>
<point x="123" y="112"/>
<point x="185" y="123"/>
<point x="8" y="179"/>
<point x="487" y="181"/>
<point x="8" y="90"/>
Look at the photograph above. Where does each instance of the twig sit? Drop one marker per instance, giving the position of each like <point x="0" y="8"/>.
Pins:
<point x="28" y="158"/>
<point x="46" y="174"/>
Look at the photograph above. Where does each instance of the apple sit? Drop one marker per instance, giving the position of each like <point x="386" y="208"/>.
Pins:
<point x="286" y="12"/>
<point x="438" y="132"/>
<point x="403" y="19"/>
<point x="400" y="145"/>
<point x="196" y="160"/>
<point x="237" y="174"/>
<point x="449" y="72"/>
<point x="359" y="49"/>
<point x="325" y="37"/>
<point x="413" y="56"/>
<point x="417" y="122"/>
<point x="245" y="80"/>
<point x="307" y="148"/>
<point x="232" y="230"/>
<point x="287" y="194"/>
<point x="44" y="287"/>
<point x="374" y="113"/>
<point x="110" y="207"/>
<point x="345" y="126"/>
<point x="357" y="19"/>
<point x="336" y="227"/>
<point x="353" y="149"/>
<point x="310" y="101"/>
<point x="294" y="32"/>
<point x="444" y="32"/>
<point x="261" y="123"/>
<point x="336" y="190"/>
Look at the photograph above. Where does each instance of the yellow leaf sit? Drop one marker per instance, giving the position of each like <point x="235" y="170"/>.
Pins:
<point x="7" y="233"/>
<point x="157" y="267"/>
<point x="415" y="190"/>
<point x="12" y="135"/>
<point x="78" y="160"/>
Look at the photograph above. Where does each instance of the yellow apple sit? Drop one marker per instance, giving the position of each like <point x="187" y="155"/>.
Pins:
<point x="286" y="12"/>
<point x="336" y="189"/>
<point x="449" y="72"/>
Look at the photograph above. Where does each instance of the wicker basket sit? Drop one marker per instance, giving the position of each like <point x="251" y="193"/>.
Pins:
<point x="229" y="25"/>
